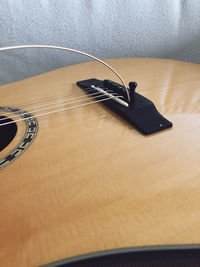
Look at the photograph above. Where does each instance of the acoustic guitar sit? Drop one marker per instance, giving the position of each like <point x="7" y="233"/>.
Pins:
<point x="83" y="187"/>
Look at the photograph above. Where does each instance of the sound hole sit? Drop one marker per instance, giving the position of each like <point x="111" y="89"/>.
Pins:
<point x="7" y="132"/>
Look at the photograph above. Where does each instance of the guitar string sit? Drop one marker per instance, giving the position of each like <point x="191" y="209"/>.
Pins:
<point x="68" y="98"/>
<point x="43" y="99"/>
<point x="74" y="51"/>
<point x="84" y="98"/>
<point x="59" y="110"/>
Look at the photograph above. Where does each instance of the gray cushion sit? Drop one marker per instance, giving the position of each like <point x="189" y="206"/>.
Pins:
<point x="104" y="28"/>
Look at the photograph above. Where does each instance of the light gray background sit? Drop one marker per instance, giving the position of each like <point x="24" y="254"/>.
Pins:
<point x="103" y="28"/>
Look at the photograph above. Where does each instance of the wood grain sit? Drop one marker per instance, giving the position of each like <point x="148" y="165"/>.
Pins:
<point x="90" y="182"/>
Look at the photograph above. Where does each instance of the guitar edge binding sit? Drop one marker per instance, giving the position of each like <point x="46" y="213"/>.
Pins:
<point x="140" y="112"/>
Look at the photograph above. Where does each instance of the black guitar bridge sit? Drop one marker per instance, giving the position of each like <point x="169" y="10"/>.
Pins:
<point x="139" y="111"/>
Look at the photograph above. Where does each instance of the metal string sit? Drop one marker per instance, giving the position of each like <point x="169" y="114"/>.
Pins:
<point x="66" y="108"/>
<point x="83" y="98"/>
<point x="45" y="100"/>
<point x="70" y="50"/>
<point x="59" y="110"/>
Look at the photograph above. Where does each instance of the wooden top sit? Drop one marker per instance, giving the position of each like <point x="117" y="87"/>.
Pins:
<point x="90" y="182"/>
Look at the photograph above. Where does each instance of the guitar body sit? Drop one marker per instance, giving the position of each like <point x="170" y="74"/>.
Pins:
<point x="84" y="180"/>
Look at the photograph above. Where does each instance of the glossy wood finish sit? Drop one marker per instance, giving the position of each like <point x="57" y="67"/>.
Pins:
<point x="90" y="182"/>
